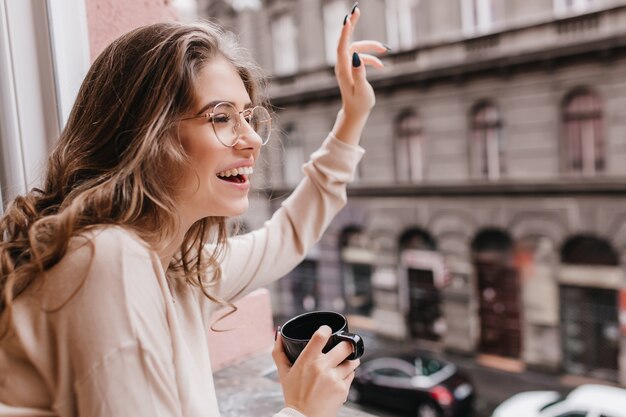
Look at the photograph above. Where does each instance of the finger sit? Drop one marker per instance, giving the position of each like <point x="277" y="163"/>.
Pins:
<point x="368" y="46"/>
<point x="283" y="365"/>
<point x="314" y="348"/>
<point x="347" y="367"/>
<point x="342" y="69"/>
<point x="371" y="60"/>
<point x="339" y="353"/>
<point x="358" y="70"/>
<point x="348" y="380"/>
<point x="354" y="18"/>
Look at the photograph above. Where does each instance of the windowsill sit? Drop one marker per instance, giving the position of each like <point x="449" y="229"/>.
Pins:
<point x="250" y="389"/>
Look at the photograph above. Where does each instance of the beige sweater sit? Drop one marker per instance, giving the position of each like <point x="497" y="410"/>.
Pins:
<point x="132" y="343"/>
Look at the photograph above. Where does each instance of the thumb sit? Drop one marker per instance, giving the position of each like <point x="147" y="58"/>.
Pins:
<point x="358" y="69"/>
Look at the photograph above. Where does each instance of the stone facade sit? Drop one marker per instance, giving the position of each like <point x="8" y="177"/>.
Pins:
<point x="530" y="220"/>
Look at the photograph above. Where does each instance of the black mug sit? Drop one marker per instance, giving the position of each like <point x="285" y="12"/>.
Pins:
<point x="297" y="332"/>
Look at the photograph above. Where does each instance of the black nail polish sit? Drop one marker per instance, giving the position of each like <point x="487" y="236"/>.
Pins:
<point x="345" y="19"/>
<point x="276" y="332"/>
<point x="386" y="46"/>
<point x="354" y="6"/>
<point x="356" y="60"/>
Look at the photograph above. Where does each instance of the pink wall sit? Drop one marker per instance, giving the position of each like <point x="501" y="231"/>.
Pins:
<point x="252" y="331"/>
<point x="108" y="19"/>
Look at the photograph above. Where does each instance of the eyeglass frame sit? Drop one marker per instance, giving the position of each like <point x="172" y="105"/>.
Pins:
<point x="209" y="116"/>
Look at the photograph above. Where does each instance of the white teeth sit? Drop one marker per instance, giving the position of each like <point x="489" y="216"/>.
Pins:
<point x="236" y="171"/>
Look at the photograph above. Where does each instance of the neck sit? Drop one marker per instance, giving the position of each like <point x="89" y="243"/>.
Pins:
<point x="175" y="242"/>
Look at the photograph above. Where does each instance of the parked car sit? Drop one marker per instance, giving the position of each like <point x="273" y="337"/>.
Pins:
<point x="585" y="401"/>
<point x="414" y="383"/>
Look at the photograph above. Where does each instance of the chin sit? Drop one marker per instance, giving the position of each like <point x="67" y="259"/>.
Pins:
<point x="237" y="210"/>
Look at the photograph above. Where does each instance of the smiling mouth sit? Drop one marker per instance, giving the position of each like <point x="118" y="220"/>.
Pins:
<point x="236" y="175"/>
<point x="238" y="179"/>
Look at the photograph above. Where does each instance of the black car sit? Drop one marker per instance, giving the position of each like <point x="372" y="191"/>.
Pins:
<point x="417" y="384"/>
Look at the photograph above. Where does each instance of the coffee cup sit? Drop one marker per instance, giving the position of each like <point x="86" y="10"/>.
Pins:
<point x="297" y="332"/>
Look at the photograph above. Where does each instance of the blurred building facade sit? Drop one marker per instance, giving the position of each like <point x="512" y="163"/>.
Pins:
<point x="489" y="213"/>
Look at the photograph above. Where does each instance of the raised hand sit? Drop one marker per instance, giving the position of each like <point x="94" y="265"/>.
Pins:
<point x="357" y="95"/>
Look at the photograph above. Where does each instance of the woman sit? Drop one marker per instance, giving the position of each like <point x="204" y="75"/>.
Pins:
<point x="109" y="274"/>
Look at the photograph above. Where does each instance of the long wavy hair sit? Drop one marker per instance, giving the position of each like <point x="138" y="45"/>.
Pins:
<point x="107" y="166"/>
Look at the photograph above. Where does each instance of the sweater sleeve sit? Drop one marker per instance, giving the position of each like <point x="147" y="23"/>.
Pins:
<point x="289" y="412"/>
<point x="255" y="259"/>
<point x="115" y="331"/>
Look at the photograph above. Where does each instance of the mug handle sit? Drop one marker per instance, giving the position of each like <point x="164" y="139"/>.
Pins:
<point x="355" y="340"/>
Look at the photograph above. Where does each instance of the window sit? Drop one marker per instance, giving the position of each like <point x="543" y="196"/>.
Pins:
<point x="487" y="142"/>
<point x="573" y="414"/>
<point x="478" y="16"/>
<point x="356" y="270"/>
<point x="583" y="131"/>
<point x="409" y="148"/>
<point x="333" y="13"/>
<point x="399" y="21"/>
<point x="44" y="56"/>
<point x="562" y="7"/>
<point x="285" y="52"/>
<point x="293" y="155"/>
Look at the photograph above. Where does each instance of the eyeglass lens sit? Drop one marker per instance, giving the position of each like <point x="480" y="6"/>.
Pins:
<point x="227" y="123"/>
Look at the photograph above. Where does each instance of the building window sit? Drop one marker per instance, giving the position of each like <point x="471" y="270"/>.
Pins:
<point x="285" y="52"/>
<point x="399" y="21"/>
<point x="333" y="11"/>
<point x="487" y="142"/>
<point x="562" y="7"/>
<point x="478" y="16"/>
<point x="293" y="155"/>
<point x="357" y="262"/>
<point x="409" y="148"/>
<point x="584" y="136"/>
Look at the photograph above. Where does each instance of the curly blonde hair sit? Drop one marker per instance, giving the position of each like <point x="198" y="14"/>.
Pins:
<point x="107" y="166"/>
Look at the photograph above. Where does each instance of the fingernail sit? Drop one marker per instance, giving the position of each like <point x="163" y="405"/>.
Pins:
<point x="356" y="61"/>
<point x="356" y="3"/>
<point x="345" y="19"/>
<point x="276" y="332"/>
<point x="386" y="46"/>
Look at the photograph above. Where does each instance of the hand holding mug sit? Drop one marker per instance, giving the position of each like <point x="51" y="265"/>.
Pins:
<point x="317" y="384"/>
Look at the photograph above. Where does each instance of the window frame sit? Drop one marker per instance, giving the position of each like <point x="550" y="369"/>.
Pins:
<point x="494" y="153"/>
<point x="593" y="145"/>
<point x="288" y="44"/>
<point x="400" y="24"/>
<point x="38" y="85"/>
<point x="478" y="16"/>
<point x="406" y="138"/>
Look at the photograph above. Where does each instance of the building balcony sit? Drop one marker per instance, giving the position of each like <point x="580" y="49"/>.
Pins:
<point x="545" y="42"/>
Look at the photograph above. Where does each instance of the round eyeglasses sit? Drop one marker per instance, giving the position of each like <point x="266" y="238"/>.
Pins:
<point x="226" y="121"/>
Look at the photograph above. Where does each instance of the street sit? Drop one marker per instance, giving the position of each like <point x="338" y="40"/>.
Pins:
<point x="492" y="385"/>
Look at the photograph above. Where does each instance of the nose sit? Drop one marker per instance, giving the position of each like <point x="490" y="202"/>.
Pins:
<point x="248" y="138"/>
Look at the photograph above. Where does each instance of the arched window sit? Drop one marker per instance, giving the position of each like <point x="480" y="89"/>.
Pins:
<point x="588" y="250"/>
<point x="584" y="145"/>
<point x="409" y="148"/>
<point x="499" y="292"/>
<point x="487" y="142"/>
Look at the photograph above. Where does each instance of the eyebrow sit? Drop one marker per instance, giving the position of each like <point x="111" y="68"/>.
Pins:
<point x="216" y="102"/>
